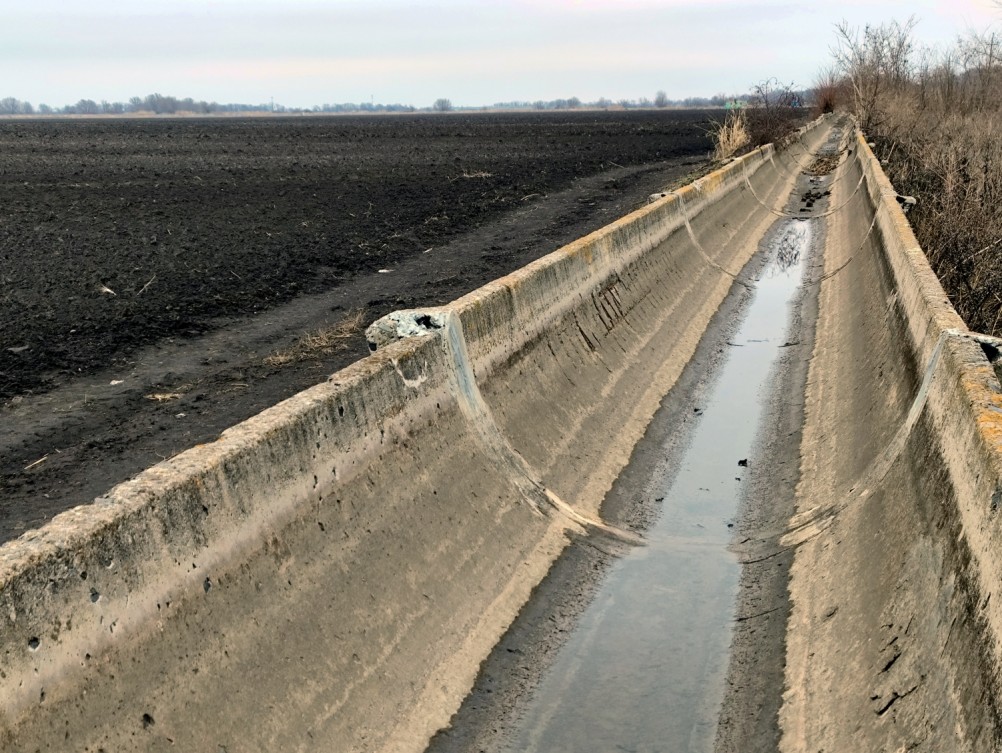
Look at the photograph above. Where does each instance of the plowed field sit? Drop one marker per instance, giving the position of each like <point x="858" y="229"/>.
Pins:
<point x="158" y="277"/>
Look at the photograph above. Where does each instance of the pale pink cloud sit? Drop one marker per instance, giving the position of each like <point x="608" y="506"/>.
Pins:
<point x="556" y="58"/>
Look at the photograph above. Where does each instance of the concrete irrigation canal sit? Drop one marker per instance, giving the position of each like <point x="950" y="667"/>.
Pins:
<point x="645" y="667"/>
<point x="723" y="475"/>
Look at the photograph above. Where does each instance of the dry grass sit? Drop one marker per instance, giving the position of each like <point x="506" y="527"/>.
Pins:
<point x="730" y="136"/>
<point x="163" y="397"/>
<point x="824" y="165"/>
<point x="474" y="175"/>
<point x="322" y="342"/>
<point x="952" y="164"/>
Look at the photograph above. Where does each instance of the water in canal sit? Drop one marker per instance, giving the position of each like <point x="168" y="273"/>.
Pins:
<point x="644" y="670"/>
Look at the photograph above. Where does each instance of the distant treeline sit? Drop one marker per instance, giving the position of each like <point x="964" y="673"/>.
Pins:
<point x="167" y="105"/>
<point x="660" y="100"/>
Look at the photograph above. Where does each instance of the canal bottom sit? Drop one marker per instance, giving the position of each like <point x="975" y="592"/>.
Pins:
<point x="644" y="666"/>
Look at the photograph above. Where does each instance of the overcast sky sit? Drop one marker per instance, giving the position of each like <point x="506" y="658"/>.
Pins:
<point x="306" y="52"/>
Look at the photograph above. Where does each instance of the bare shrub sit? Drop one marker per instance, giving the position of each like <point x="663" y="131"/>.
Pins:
<point x="935" y="118"/>
<point x="828" y="93"/>
<point x="874" y="62"/>
<point x="774" y="112"/>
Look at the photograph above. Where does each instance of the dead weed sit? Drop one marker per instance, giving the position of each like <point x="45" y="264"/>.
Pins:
<point x="322" y="342"/>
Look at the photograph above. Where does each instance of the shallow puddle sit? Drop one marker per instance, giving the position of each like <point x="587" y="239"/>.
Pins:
<point x="644" y="669"/>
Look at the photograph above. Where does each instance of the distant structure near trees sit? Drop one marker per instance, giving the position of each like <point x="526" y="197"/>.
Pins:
<point x="442" y="105"/>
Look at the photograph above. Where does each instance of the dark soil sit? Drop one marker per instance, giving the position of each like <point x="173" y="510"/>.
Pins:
<point x="150" y="270"/>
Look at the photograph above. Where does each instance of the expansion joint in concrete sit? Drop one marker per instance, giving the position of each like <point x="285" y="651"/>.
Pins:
<point x="702" y="252"/>
<point x="809" y="524"/>
<point x="463" y="385"/>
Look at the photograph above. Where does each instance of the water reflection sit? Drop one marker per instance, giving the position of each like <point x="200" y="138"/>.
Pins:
<point x="645" y="668"/>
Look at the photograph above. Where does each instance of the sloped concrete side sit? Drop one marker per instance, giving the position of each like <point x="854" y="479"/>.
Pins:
<point x="893" y="640"/>
<point x="300" y="579"/>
